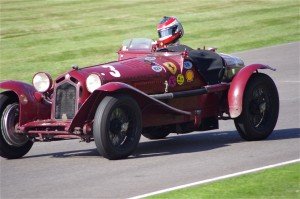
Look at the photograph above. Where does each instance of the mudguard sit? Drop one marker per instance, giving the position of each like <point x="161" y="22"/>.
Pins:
<point x="149" y="106"/>
<point x="237" y="88"/>
<point x="30" y="108"/>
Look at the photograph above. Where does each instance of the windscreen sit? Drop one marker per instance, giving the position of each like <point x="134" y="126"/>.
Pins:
<point x="137" y="44"/>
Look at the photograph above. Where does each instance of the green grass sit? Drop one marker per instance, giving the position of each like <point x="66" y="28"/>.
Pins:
<point x="282" y="182"/>
<point x="51" y="35"/>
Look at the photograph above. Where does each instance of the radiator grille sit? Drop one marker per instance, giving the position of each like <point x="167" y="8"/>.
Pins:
<point x="65" y="101"/>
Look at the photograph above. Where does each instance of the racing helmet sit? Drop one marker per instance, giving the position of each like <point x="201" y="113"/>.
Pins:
<point x="169" y="30"/>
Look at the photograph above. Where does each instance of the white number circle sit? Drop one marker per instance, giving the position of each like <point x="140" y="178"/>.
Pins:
<point x="113" y="72"/>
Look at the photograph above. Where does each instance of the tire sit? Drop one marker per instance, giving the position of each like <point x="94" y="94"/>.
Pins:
<point x="155" y="133"/>
<point x="12" y="145"/>
<point x="260" y="108"/>
<point x="117" y="127"/>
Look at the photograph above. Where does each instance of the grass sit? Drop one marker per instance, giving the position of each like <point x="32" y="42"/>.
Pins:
<point x="281" y="182"/>
<point x="52" y="35"/>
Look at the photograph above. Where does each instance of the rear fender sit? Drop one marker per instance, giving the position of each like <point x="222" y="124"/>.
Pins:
<point x="150" y="107"/>
<point x="30" y="108"/>
<point x="237" y="88"/>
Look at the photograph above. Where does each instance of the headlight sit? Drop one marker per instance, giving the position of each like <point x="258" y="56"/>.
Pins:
<point x="93" y="82"/>
<point x="42" y="82"/>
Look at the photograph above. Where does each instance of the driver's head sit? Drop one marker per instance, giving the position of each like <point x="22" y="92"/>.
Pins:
<point x="169" y="30"/>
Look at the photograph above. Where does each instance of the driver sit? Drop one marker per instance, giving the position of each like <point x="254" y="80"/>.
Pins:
<point x="208" y="63"/>
<point x="169" y="31"/>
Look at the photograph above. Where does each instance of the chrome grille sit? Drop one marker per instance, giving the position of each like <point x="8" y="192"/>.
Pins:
<point x="65" y="101"/>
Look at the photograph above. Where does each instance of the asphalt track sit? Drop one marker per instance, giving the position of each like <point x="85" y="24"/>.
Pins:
<point x="69" y="169"/>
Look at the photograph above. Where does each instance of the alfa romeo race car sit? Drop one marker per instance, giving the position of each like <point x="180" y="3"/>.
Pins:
<point x="147" y="92"/>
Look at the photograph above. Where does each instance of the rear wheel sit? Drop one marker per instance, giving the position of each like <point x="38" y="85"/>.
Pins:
<point x="260" y="108"/>
<point x="117" y="126"/>
<point x="12" y="144"/>
<point x="155" y="133"/>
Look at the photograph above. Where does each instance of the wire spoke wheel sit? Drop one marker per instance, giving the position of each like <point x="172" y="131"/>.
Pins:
<point x="117" y="126"/>
<point x="12" y="144"/>
<point x="9" y="122"/>
<point x="260" y="108"/>
<point x="120" y="126"/>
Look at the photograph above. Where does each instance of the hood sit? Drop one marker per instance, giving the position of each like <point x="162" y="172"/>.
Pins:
<point x="146" y="73"/>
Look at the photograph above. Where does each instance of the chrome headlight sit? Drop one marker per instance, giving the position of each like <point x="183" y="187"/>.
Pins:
<point x="42" y="82"/>
<point x="93" y="82"/>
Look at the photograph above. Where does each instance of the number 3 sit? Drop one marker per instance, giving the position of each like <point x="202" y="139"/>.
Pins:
<point x="114" y="72"/>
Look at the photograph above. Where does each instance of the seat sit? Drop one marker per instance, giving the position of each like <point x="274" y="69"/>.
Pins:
<point x="209" y="65"/>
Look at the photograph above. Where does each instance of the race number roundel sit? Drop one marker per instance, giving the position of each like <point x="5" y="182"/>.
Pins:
<point x="113" y="71"/>
<point x="180" y="79"/>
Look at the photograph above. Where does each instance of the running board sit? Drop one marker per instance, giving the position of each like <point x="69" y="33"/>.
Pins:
<point x="201" y="91"/>
<point x="179" y="94"/>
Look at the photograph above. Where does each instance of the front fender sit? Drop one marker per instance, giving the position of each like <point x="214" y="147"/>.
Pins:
<point x="149" y="106"/>
<point x="30" y="108"/>
<point x="237" y="88"/>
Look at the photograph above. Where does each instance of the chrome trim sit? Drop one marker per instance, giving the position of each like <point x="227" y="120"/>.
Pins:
<point x="77" y="86"/>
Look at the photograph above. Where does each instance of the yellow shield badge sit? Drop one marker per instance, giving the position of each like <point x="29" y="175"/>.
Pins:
<point x="171" y="67"/>
<point x="189" y="75"/>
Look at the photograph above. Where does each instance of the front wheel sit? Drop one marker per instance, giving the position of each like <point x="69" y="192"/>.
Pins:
<point x="117" y="126"/>
<point x="12" y="144"/>
<point x="260" y="108"/>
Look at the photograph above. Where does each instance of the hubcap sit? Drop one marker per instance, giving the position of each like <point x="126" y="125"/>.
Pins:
<point x="119" y="127"/>
<point x="9" y="122"/>
<point x="259" y="107"/>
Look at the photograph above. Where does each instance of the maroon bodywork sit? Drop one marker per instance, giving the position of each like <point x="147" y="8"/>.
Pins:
<point x="133" y="74"/>
<point x="29" y="101"/>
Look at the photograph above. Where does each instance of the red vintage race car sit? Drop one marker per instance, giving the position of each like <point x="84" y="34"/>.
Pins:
<point x="148" y="91"/>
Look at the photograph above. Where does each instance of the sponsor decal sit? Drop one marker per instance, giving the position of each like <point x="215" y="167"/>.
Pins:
<point x="171" y="67"/>
<point x="187" y="65"/>
<point x="150" y="58"/>
<point x="172" y="81"/>
<point x="189" y="75"/>
<point x="156" y="68"/>
<point x="180" y="79"/>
